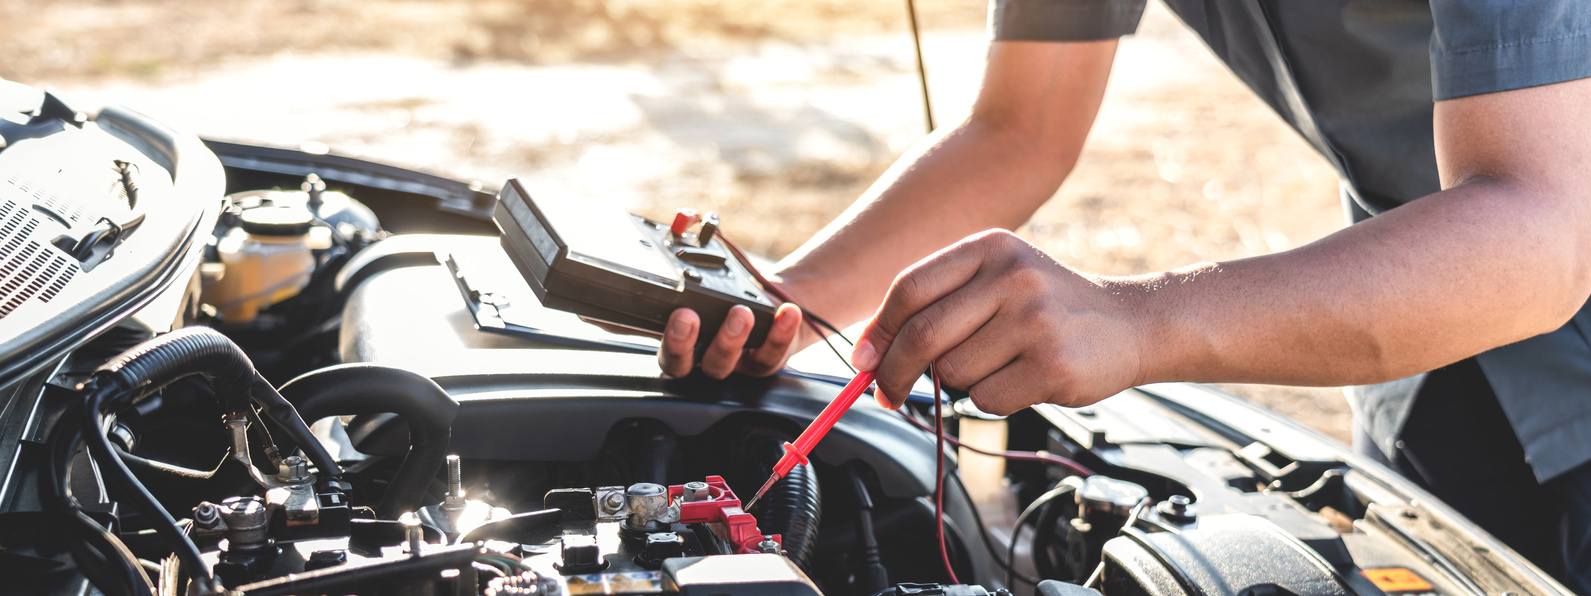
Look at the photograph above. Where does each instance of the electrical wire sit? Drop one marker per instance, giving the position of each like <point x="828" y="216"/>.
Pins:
<point x="815" y="322"/>
<point x="1042" y="457"/>
<point x="922" y="69"/>
<point x="1039" y="503"/>
<point x="983" y="532"/>
<point x="1132" y="520"/>
<point x="99" y="402"/>
<point x="939" y="478"/>
<point x="98" y="548"/>
<point x="941" y="437"/>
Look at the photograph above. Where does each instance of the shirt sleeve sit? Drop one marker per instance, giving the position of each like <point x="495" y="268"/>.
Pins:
<point x="1486" y="46"/>
<point x="1063" y="20"/>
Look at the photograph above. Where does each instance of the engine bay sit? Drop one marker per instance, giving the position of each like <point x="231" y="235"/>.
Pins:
<point x="351" y="389"/>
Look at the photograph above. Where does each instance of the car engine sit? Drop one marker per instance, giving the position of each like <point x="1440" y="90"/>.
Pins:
<point x="231" y="369"/>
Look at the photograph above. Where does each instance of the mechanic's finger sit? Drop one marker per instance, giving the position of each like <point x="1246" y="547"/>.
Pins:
<point x="725" y="351"/>
<point x="920" y="285"/>
<point x="986" y="351"/>
<point x="933" y="331"/>
<point x="676" y="356"/>
<point x="770" y="356"/>
<point x="1013" y="387"/>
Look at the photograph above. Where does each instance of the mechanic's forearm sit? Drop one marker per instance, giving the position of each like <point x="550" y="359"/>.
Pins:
<point x="1478" y="266"/>
<point x="1035" y="108"/>
<point x="936" y="194"/>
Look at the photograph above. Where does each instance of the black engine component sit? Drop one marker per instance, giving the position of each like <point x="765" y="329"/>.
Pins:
<point x="1226" y="555"/>
<point x="355" y="389"/>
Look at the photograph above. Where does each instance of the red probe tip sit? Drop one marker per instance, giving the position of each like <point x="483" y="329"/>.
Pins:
<point x="762" y="491"/>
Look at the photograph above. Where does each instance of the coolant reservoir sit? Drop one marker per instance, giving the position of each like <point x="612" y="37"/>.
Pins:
<point x="983" y="475"/>
<point x="265" y="260"/>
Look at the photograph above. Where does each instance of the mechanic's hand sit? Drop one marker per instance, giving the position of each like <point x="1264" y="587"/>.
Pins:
<point x="728" y="352"/>
<point x="997" y="316"/>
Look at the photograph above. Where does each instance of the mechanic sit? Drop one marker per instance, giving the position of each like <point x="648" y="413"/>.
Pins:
<point x="1461" y="131"/>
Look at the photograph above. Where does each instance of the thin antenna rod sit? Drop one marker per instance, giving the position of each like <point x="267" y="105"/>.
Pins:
<point x="922" y="71"/>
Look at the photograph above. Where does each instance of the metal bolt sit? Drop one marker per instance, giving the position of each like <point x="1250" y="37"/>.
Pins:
<point x="1176" y="509"/>
<point x="455" y="482"/>
<point x="314" y="186"/>
<point x="614" y="501"/>
<point x="206" y="515"/>
<point x="413" y="532"/>
<point x="768" y="545"/>
<point x="293" y="470"/>
<point x="247" y="522"/>
<point x="696" y="491"/>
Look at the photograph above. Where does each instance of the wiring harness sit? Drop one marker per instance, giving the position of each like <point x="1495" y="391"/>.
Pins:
<point x="124" y="381"/>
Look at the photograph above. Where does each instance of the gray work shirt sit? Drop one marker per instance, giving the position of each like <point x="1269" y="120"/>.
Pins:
<point x="1358" y="79"/>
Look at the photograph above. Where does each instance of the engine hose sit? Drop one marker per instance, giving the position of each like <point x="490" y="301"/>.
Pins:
<point x="203" y="351"/>
<point x="150" y="366"/>
<point x="794" y="506"/>
<point x="360" y="389"/>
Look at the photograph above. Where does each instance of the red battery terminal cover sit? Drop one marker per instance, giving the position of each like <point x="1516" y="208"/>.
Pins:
<point x="722" y="512"/>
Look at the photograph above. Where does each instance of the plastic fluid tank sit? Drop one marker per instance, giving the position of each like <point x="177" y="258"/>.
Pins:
<point x="266" y="260"/>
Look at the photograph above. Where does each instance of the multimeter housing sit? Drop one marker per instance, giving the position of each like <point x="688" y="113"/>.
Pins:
<point x="607" y="265"/>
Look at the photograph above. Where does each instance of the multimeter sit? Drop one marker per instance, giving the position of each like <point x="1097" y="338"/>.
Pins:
<point x="604" y="264"/>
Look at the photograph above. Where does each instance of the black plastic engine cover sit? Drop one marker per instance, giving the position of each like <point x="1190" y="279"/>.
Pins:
<point x="1226" y="555"/>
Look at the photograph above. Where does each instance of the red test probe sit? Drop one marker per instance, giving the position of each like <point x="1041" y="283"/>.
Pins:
<point x="796" y="454"/>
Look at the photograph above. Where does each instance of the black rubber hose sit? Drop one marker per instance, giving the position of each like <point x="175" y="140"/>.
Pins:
<point x="358" y="389"/>
<point x="794" y="506"/>
<point x="145" y="369"/>
<point x="203" y="351"/>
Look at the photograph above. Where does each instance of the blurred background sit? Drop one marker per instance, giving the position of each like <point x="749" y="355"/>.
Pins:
<point x="774" y="113"/>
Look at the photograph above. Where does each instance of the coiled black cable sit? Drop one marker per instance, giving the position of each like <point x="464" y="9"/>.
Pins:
<point x="794" y="506"/>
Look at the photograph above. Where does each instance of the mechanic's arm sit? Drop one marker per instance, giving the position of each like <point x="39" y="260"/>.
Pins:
<point x="994" y="169"/>
<point x="1500" y="255"/>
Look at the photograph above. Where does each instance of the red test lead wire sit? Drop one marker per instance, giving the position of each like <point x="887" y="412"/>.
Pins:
<point x="796" y="454"/>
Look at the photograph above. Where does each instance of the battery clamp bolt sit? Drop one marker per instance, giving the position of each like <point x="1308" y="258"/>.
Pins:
<point x="293" y="469"/>
<point x="696" y="491"/>
<point x="768" y="545"/>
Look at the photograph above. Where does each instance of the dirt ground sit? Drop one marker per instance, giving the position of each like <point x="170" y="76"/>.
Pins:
<point x="776" y="113"/>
